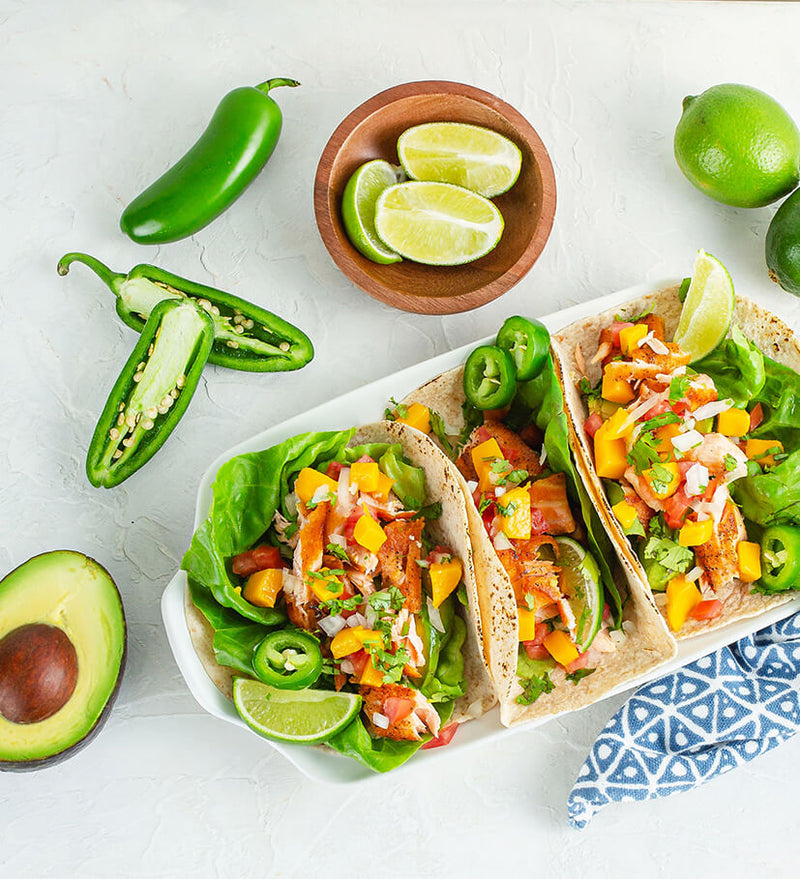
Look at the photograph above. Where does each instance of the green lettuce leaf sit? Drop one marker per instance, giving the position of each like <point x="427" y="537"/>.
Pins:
<point x="737" y="367"/>
<point x="772" y="496"/>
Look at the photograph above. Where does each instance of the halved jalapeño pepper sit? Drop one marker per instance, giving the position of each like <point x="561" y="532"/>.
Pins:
<point x="246" y="336"/>
<point x="288" y="659"/>
<point x="780" y="558"/>
<point x="489" y="378"/>
<point x="527" y="341"/>
<point x="152" y="391"/>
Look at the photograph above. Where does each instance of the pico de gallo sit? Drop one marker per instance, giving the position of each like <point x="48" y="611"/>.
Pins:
<point x="669" y="449"/>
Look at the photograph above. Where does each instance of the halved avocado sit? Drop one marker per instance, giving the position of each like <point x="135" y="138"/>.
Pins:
<point x="62" y="654"/>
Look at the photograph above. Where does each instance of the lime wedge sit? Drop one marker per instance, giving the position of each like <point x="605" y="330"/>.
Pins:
<point x="437" y="223"/>
<point x="450" y="152"/>
<point x="708" y="308"/>
<point x="580" y="583"/>
<point x="301" y="716"/>
<point x="358" y="208"/>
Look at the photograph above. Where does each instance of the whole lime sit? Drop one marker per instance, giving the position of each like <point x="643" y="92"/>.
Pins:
<point x="782" y="246"/>
<point x="738" y="145"/>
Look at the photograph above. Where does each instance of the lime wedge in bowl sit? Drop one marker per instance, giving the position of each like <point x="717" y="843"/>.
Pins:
<point x="358" y="208"/>
<point x="708" y="308"/>
<point x="437" y="224"/>
<point x="468" y="155"/>
<point x="580" y="583"/>
<point x="295" y="716"/>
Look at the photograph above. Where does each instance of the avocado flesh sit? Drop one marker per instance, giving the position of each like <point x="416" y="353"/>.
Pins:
<point x="68" y="590"/>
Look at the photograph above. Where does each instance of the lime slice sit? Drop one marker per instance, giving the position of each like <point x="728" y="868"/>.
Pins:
<point x="301" y="716"/>
<point x="437" y="223"/>
<point x="358" y="208"/>
<point x="708" y="308"/>
<point x="580" y="583"/>
<point x="467" y="155"/>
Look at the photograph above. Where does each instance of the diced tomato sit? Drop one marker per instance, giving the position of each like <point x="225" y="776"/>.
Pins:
<point x="680" y="408"/>
<point x="593" y="423"/>
<point x="606" y="612"/>
<point x="396" y="708"/>
<point x="756" y="416"/>
<point x="706" y="610"/>
<point x="659" y="409"/>
<point x="258" y="559"/>
<point x="535" y="651"/>
<point x="445" y="736"/>
<point x="675" y="508"/>
<point x="615" y="330"/>
<point x="488" y="517"/>
<point x="359" y="659"/>
<point x="578" y="663"/>
<point x="683" y="467"/>
<point x="710" y="488"/>
<point x="334" y="469"/>
<point x="365" y="459"/>
<point x="350" y="524"/>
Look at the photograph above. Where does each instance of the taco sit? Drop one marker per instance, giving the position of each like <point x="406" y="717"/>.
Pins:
<point x="688" y="462"/>
<point x="355" y="545"/>
<point x="567" y="621"/>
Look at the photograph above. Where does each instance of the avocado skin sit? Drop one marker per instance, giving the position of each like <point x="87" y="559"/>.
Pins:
<point x="69" y="751"/>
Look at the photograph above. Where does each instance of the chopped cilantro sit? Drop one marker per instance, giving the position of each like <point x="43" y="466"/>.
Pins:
<point x="586" y="389"/>
<point x="661" y="478"/>
<point x="533" y="687"/>
<point x="678" y="388"/>
<point x="643" y="453"/>
<point x="339" y="551"/>
<point x="669" y="554"/>
<point x="440" y="432"/>
<point x="400" y="410"/>
<point x="579" y="674"/>
<point x="730" y="462"/>
<point x="499" y="465"/>
<point x="331" y="497"/>
<point x="386" y="599"/>
<point x="635" y="318"/>
<point x="391" y="664"/>
<point x="335" y="606"/>
<point x="507" y="510"/>
<point x="472" y="418"/>
<point x="661" y="420"/>
<point x="485" y="502"/>
<point x="530" y="601"/>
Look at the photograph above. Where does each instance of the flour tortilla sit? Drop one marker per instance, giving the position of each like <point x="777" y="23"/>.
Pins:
<point x="450" y="530"/>
<point x="647" y="644"/>
<point x="760" y="326"/>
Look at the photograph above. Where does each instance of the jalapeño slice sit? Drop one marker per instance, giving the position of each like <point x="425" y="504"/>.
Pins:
<point x="780" y="559"/>
<point x="288" y="659"/>
<point x="490" y="378"/>
<point x="527" y="341"/>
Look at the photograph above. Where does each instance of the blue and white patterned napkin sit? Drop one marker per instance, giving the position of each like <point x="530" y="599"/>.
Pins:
<point x="688" y="727"/>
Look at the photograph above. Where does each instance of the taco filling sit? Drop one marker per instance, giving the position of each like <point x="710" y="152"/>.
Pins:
<point x="670" y="447"/>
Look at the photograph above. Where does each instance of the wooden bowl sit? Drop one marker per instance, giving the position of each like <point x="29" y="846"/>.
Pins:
<point x="528" y="208"/>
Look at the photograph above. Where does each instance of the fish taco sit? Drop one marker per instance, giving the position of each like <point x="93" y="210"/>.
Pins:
<point x="694" y="464"/>
<point x="565" y="617"/>
<point x="348" y="552"/>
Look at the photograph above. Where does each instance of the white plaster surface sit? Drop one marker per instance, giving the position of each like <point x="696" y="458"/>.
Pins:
<point x="96" y="99"/>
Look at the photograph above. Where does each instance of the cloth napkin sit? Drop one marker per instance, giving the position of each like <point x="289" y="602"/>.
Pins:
<point x="705" y="719"/>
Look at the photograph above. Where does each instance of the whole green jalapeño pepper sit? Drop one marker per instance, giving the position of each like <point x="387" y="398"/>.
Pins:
<point x="214" y="172"/>
<point x="246" y="337"/>
<point x="151" y="393"/>
<point x="289" y="659"/>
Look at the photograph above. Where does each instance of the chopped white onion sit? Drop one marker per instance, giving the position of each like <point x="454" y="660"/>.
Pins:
<point x="338" y="540"/>
<point x="347" y="667"/>
<point x="695" y="574"/>
<point x="380" y="720"/>
<point x="500" y="541"/>
<point x="696" y="480"/>
<point x="499" y="491"/>
<point x="321" y="494"/>
<point x="709" y="410"/>
<point x="543" y="457"/>
<point x="472" y="485"/>
<point x="371" y="616"/>
<point x="715" y="507"/>
<point x="642" y="409"/>
<point x="689" y="440"/>
<point x="357" y="619"/>
<point x="655" y="345"/>
<point x="435" y="617"/>
<point x="332" y="625"/>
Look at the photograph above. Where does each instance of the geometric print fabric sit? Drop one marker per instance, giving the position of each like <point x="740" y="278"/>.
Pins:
<point x="703" y="720"/>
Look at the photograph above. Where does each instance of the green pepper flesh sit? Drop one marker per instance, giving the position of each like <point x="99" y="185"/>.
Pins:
<point x="489" y="377"/>
<point x="289" y="659"/>
<point x="527" y="341"/>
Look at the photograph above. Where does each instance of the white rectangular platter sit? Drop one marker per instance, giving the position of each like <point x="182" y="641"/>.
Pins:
<point x="360" y="407"/>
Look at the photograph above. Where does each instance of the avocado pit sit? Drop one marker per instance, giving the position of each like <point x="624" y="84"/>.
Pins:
<point x="38" y="672"/>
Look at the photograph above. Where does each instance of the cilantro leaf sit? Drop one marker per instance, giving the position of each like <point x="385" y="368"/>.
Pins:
<point x="579" y="674"/>
<point x="636" y="317"/>
<point x="669" y="554"/>
<point x="440" y="432"/>
<point x="730" y="462"/>
<point x="643" y="453"/>
<point x="533" y="687"/>
<point x="400" y="410"/>
<point x="678" y="388"/>
<point x="340" y="552"/>
<point x="661" y="478"/>
<point x="587" y="391"/>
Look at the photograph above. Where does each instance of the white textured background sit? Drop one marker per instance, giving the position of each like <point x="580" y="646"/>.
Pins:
<point x="96" y="99"/>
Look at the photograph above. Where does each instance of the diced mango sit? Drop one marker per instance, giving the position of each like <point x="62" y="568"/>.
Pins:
<point x="527" y="624"/>
<point x="418" y="416"/>
<point x="749" y="555"/>
<point x="559" y="645"/>
<point x="325" y="588"/>
<point x="371" y="676"/>
<point x="610" y="455"/>
<point x="385" y="484"/>
<point x="696" y="533"/>
<point x="616" y="390"/>
<point x="515" y="522"/>
<point x="625" y="513"/>
<point x="366" y="475"/>
<point x="445" y="577"/>
<point x="630" y="337"/>
<point x="369" y="534"/>
<point x="733" y="422"/>
<point x="368" y="636"/>
<point x="756" y="449"/>
<point x="658" y="485"/>
<point x="618" y="425"/>
<point x="682" y="597"/>
<point x="344" y="643"/>
<point x="664" y="435"/>
<point x="262" y="588"/>
<point x="483" y="456"/>
<point x="308" y="481"/>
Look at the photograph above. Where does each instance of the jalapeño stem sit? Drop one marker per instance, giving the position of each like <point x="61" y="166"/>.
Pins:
<point x="113" y="279"/>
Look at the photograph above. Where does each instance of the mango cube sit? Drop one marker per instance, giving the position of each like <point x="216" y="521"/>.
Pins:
<point x="369" y="534"/>
<point x="445" y="577"/>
